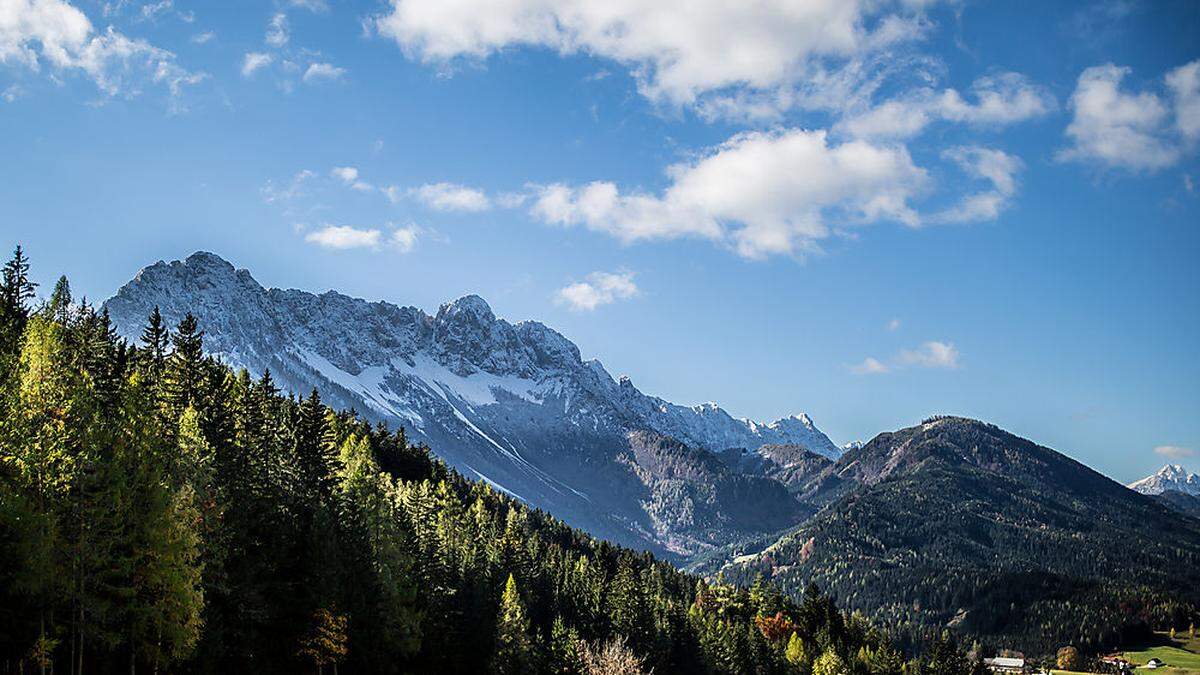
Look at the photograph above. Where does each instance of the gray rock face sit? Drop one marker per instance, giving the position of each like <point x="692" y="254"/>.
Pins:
<point x="512" y="404"/>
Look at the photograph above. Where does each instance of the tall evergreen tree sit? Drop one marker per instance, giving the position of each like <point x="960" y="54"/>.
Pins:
<point x="183" y="369"/>
<point x="514" y="651"/>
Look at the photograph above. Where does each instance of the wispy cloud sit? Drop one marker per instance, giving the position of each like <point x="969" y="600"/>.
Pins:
<point x="999" y="100"/>
<point x="348" y="175"/>
<point x="252" y="62"/>
<point x="294" y="188"/>
<point x="994" y="166"/>
<point x="346" y="237"/>
<point x="931" y="354"/>
<point x="278" y="32"/>
<point x="451" y="197"/>
<point x="869" y="366"/>
<point x="203" y="38"/>
<point x="600" y="288"/>
<point x="318" y="72"/>
<point x="1174" y="452"/>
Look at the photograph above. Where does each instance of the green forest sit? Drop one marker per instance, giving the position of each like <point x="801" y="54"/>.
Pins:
<point x="160" y="512"/>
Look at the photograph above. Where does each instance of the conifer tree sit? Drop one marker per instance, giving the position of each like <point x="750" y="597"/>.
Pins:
<point x="156" y="339"/>
<point x="16" y="290"/>
<point x="829" y="663"/>
<point x="60" y="300"/>
<point x="795" y="652"/>
<point x="514" y="651"/>
<point x="183" y="368"/>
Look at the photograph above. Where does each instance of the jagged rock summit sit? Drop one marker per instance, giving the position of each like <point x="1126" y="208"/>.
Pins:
<point x="512" y="404"/>
<point x="1171" y="477"/>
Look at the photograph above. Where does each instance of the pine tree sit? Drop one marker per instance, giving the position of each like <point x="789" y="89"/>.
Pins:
<point x="514" y="651"/>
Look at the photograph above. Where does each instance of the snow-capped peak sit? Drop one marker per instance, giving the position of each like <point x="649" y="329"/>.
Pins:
<point x="513" y="404"/>
<point x="472" y="306"/>
<point x="1170" y="477"/>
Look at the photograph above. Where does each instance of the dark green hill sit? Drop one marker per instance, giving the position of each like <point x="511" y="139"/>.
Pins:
<point x="956" y="523"/>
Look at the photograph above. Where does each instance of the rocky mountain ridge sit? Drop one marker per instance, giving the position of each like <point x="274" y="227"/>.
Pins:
<point x="1172" y="477"/>
<point x="512" y="404"/>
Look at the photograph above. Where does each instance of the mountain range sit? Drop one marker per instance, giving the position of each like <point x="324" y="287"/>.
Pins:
<point x="512" y="404"/>
<point x="1170" y="478"/>
<point x="953" y="523"/>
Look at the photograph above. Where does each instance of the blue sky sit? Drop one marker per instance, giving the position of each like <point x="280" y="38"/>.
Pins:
<point x="869" y="211"/>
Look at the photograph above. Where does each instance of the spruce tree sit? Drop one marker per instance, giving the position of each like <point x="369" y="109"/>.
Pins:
<point x="183" y="368"/>
<point x="16" y="290"/>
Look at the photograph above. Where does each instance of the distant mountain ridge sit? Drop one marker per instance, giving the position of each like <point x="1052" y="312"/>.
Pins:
<point x="1171" y="477"/>
<point x="512" y="404"/>
<point x="957" y="523"/>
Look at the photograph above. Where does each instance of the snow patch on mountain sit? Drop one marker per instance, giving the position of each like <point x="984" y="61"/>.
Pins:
<point x="511" y="403"/>
<point x="1170" y="477"/>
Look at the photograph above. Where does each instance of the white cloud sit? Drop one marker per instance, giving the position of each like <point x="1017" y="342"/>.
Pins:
<point x="55" y="32"/>
<point x="293" y="189"/>
<point x="1184" y="83"/>
<point x="349" y="176"/>
<point x="932" y="354"/>
<point x="995" y="166"/>
<point x="1115" y="128"/>
<point x="762" y="193"/>
<point x="12" y="92"/>
<point x="203" y="38"/>
<point x="253" y="61"/>
<point x="511" y="200"/>
<point x="323" y="71"/>
<point x="344" y="237"/>
<point x="1174" y="451"/>
<point x="151" y="10"/>
<point x="405" y="238"/>
<point x="893" y="325"/>
<point x="315" y="6"/>
<point x="869" y="366"/>
<point x="277" y="30"/>
<point x="999" y="100"/>
<point x="601" y="288"/>
<point x="678" y="50"/>
<point x="451" y="197"/>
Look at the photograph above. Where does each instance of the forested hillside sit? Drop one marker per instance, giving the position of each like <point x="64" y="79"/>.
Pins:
<point x="957" y="523"/>
<point x="159" y="511"/>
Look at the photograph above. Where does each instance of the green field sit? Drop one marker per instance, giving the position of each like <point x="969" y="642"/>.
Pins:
<point x="1182" y="655"/>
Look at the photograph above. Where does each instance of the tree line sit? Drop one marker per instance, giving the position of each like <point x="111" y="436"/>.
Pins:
<point x="162" y="512"/>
